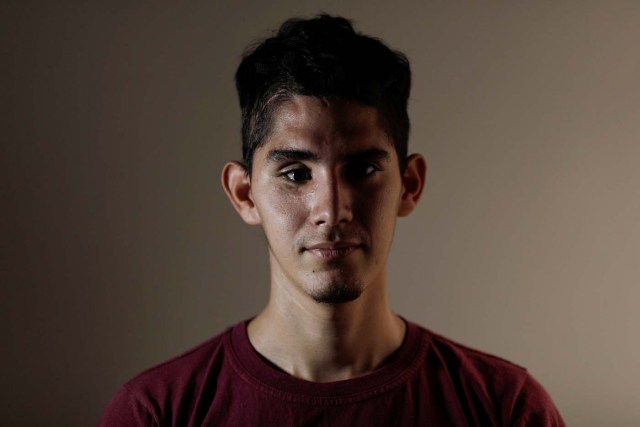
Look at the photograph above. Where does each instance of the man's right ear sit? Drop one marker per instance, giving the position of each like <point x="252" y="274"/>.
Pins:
<point x="237" y="184"/>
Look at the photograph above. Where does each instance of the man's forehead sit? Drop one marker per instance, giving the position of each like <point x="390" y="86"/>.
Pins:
<point x="307" y="113"/>
<point x="326" y="123"/>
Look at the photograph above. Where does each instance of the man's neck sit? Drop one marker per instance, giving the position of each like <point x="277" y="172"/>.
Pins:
<point x="327" y="342"/>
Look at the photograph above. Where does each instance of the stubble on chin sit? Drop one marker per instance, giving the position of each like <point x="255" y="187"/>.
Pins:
<point x="337" y="293"/>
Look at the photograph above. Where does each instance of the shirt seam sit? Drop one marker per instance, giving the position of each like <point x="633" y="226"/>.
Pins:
<point x="141" y="403"/>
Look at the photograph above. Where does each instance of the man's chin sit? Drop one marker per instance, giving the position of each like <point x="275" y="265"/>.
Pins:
<point x="337" y="294"/>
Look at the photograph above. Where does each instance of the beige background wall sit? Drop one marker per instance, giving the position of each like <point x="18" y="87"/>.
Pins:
<point x="120" y="250"/>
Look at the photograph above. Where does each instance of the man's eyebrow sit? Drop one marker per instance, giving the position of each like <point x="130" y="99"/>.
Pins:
<point x="371" y="154"/>
<point x="291" y="155"/>
<point x="282" y="155"/>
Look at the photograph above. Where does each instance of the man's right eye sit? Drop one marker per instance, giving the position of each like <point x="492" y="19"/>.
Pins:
<point x="297" y="175"/>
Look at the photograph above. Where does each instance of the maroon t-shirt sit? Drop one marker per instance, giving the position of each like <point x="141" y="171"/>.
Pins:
<point x="429" y="380"/>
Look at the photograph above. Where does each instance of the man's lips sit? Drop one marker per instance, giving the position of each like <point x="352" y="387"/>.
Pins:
<point x="332" y="250"/>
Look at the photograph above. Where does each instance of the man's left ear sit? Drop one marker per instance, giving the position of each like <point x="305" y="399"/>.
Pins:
<point x="413" y="182"/>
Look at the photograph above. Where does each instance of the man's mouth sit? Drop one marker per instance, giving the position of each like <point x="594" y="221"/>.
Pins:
<point x="332" y="250"/>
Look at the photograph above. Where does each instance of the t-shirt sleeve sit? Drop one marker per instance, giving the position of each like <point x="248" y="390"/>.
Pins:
<point x="534" y="408"/>
<point x="126" y="411"/>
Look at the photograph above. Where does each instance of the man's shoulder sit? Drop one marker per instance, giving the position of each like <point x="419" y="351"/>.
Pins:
<point x="166" y="390"/>
<point x="474" y="362"/>
<point x="185" y="367"/>
<point x="480" y="376"/>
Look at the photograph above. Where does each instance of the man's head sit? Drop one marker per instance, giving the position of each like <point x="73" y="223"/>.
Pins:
<point x="325" y="172"/>
<point x="322" y="57"/>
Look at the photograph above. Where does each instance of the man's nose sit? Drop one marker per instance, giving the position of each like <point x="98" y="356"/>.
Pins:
<point x="332" y="201"/>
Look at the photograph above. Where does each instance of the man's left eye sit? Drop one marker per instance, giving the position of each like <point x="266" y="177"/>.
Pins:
<point x="364" y="169"/>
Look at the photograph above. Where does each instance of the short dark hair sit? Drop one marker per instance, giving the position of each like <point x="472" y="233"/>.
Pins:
<point x="322" y="57"/>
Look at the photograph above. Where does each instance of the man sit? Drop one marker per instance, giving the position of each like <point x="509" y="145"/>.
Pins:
<point x="325" y="173"/>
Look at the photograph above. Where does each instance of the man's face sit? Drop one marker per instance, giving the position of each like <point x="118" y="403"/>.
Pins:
<point x="327" y="187"/>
